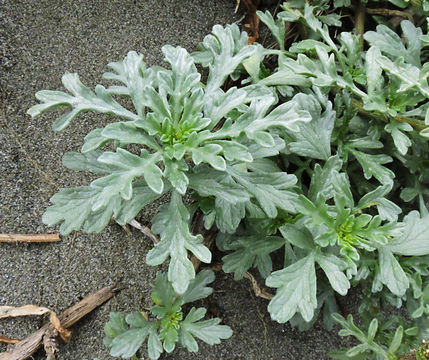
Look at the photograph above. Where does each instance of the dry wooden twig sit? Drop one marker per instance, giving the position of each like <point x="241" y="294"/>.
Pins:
<point x="50" y="344"/>
<point x="29" y="310"/>
<point x="6" y="340"/>
<point x="145" y="230"/>
<point x="27" y="347"/>
<point x="257" y="289"/>
<point x="29" y="237"/>
<point x="390" y="12"/>
<point x="259" y="292"/>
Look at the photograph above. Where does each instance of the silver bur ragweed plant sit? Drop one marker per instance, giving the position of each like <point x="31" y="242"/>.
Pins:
<point x="192" y="137"/>
<point x="322" y="157"/>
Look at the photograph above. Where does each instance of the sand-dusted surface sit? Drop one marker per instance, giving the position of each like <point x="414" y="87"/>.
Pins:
<point x="40" y="41"/>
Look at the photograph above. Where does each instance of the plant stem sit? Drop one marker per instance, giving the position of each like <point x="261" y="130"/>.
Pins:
<point x="29" y="237"/>
<point x="360" y="21"/>
<point x="416" y="124"/>
<point x="390" y="12"/>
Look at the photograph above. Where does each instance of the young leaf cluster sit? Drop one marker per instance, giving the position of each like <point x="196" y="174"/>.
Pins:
<point x="168" y="325"/>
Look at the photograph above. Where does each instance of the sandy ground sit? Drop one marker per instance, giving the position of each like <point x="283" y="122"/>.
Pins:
<point x="39" y="42"/>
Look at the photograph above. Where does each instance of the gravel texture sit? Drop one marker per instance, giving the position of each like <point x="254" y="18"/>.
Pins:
<point x="39" y="42"/>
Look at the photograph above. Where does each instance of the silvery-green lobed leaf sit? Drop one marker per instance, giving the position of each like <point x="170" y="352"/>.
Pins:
<point x="223" y="51"/>
<point x="296" y="290"/>
<point x="72" y="207"/>
<point x="298" y="236"/>
<point x="142" y="195"/>
<point x="317" y="213"/>
<point x="163" y="295"/>
<point x="154" y="345"/>
<point x="387" y="209"/>
<point x="197" y="288"/>
<point x="209" y="182"/>
<point x="254" y="121"/>
<point x="253" y="64"/>
<point x="397" y="339"/>
<point x="98" y="219"/>
<point x="125" y="341"/>
<point x="352" y="48"/>
<point x="169" y="336"/>
<point x="270" y="190"/>
<point x="116" y="326"/>
<point x="83" y="99"/>
<point x="401" y="140"/>
<point x="191" y="118"/>
<point x="316" y="25"/>
<point x="176" y="240"/>
<point x="87" y="162"/>
<point x="208" y="331"/>
<point x="209" y="154"/>
<point x="391" y="273"/>
<point x="289" y="14"/>
<point x="288" y="116"/>
<point x="233" y="150"/>
<point x="229" y="214"/>
<point x="221" y="103"/>
<point x="306" y="45"/>
<point x="313" y="138"/>
<point x="230" y="197"/>
<point x="391" y="43"/>
<point x="372" y="166"/>
<point x="94" y="140"/>
<point x="132" y="72"/>
<point x="414" y="241"/>
<point x="365" y="142"/>
<point x="277" y="27"/>
<point x="126" y="344"/>
<point x="286" y="76"/>
<point x="262" y="166"/>
<point x="130" y="166"/>
<point x="175" y="173"/>
<point x="342" y="188"/>
<point x="249" y="251"/>
<point x="321" y="181"/>
<point x="180" y="81"/>
<point x="368" y="347"/>
<point x="333" y="267"/>
<point x="129" y="133"/>
<point x="259" y="152"/>
<point x="373" y="71"/>
<point x="408" y="74"/>
<point x="327" y="61"/>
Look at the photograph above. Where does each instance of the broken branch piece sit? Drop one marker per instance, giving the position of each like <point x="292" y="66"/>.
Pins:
<point x="145" y="230"/>
<point x="27" y="347"/>
<point x="29" y="238"/>
<point x="6" y="340"/>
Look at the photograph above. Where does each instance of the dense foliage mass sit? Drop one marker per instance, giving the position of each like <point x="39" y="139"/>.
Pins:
<point x="323" y="157"/>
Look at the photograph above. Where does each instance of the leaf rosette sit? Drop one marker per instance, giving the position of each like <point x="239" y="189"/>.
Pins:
<point x="186" y="134"/>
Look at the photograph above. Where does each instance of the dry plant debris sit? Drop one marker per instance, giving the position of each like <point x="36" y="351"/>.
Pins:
<point x="251" y="20"/>
<point x="29" y="238"/>
<point x="57" y="326"/>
